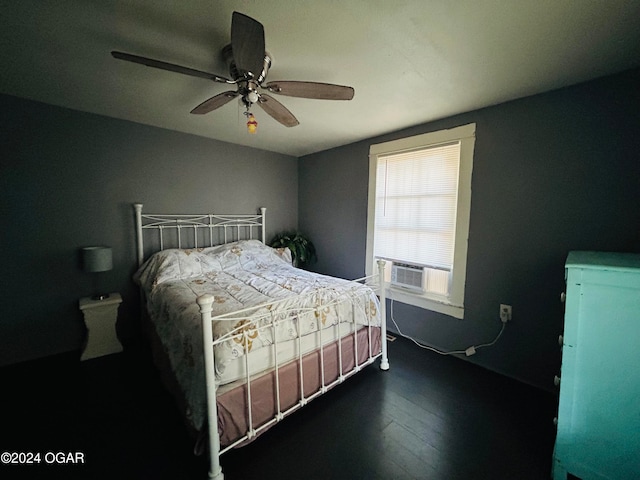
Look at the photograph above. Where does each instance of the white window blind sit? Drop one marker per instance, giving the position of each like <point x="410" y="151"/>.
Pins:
<point x="418" y="213"/>
<point x="416" y="199"/>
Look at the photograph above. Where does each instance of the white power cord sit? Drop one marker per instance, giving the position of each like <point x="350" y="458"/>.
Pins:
<point x="468" y="352"/>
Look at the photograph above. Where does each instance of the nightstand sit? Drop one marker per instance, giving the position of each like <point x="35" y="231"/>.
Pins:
<point x="100" y="318"/>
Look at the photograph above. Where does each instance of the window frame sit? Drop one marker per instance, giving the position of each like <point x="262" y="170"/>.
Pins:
<point x="452" y="304"/>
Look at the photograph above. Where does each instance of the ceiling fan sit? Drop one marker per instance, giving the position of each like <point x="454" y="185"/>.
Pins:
<point x="249" y="64"/>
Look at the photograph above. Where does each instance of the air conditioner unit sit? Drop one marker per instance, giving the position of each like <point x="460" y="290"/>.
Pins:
<point x="408" y="276"/>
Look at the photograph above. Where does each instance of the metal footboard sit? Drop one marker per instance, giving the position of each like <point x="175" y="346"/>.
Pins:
<point x="345" y="367"/>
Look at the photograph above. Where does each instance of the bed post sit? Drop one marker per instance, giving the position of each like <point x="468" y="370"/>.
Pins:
<point x="384" y="361"/>
<point x="215" y="470"/>
<point x="138" y="209"/>
<point x="263" y="211"/>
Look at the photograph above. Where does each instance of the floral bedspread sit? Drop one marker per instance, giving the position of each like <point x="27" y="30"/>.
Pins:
<point x="241" y="275"/>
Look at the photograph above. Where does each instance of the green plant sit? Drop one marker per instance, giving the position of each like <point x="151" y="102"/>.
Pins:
<point x="303" y="252"/>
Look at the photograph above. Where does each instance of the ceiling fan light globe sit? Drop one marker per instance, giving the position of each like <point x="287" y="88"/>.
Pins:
<point x="252" y="124"/>
<point x="252" y="97"/>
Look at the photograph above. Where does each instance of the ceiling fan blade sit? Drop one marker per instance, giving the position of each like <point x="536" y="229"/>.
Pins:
<point x="149" y="62"/>
<point x="247" y="44"/>
<point x="320" y="91"/>
<point x="214" y="102"/>
<point x="278" y="111"/>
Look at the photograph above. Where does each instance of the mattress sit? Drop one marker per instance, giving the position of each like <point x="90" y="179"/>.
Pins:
<point x="263" y="359"/>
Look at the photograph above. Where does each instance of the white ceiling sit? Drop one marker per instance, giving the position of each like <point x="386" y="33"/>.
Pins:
<point x="410" y="61"/>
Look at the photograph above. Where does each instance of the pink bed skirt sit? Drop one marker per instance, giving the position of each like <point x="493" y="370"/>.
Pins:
<point x="233" y="422"/>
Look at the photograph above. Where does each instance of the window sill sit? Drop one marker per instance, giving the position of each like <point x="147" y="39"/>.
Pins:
<point x="424" y="301"/>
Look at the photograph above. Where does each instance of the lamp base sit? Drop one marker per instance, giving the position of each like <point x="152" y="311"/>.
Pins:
<point x="100" y="296"/>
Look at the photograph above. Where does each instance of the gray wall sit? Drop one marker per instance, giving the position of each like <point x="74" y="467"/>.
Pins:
<point x="68" y="179"/>
<point x="552" y="173"/>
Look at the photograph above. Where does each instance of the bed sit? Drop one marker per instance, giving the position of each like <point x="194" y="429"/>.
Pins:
<point x="241" y="337"/>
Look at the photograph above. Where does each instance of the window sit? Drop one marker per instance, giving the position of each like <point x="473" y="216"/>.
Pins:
<point x="418" y="217"/>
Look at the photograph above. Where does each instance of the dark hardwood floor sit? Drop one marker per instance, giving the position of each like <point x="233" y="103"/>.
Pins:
<point x="429" y="417"/>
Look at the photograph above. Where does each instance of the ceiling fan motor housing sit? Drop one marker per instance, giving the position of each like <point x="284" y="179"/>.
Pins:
<point x="247" y="87"/>
<point x="227" y="55"/>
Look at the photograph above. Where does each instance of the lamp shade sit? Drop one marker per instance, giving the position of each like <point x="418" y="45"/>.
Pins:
<point x="97" y="259"/>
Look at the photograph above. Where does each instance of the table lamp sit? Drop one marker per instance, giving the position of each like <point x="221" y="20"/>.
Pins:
<point x="96" y="260"/>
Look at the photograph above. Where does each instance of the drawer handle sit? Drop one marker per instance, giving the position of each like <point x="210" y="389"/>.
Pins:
<point x="556" y="380"/>
<point x="563" y="297"/>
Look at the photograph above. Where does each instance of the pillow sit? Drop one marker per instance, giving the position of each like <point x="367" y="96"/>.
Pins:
<point x="247" y="253"/>
<point x="285" y="254"/>
<point x="171" y="264"/>
<point x="180" y="264"/>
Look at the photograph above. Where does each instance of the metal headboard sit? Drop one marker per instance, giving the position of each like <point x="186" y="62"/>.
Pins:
<point x="195" y="230"/>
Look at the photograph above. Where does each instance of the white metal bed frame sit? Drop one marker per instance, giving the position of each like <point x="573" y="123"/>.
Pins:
<point x="204" y="230"/>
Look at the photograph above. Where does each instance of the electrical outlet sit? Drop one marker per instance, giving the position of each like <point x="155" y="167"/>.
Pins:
<point x="505" y="313"/>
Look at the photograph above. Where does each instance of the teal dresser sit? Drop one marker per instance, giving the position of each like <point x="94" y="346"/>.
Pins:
<point x="599" y="409"/>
